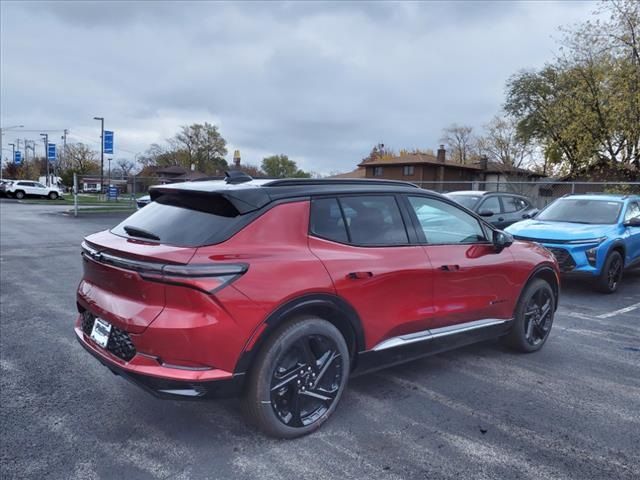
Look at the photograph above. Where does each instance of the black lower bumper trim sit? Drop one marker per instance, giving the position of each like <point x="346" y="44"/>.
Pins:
<point x="176" y="389"/>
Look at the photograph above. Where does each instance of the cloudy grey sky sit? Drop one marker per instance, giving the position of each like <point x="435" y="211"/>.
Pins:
<point x="321" y="82"/>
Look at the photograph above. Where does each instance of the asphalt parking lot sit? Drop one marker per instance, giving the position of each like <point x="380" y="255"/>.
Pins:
<point x="571" y="410"/>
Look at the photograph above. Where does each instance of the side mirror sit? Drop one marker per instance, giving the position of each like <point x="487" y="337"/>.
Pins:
<point x="632" y="222"/>
<point x="485" y="213"/>
<point x="501" y="240"/>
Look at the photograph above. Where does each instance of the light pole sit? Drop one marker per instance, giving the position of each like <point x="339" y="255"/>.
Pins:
<point x="101" y="151"/>
<point x="109" y="160"/>
<point x="45" y="137"/>
<point x="1" y="157"/>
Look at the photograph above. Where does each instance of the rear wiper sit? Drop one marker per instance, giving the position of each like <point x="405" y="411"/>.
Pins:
<point x="139" y="232"/>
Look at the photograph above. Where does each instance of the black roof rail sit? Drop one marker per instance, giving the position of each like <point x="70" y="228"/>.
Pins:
<point x="294" y="182"/>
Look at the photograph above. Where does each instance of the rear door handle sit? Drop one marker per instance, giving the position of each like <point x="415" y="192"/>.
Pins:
<point x="501" y="219"/>
<point x="450" y="268"/>
<point x="359" y="275"/>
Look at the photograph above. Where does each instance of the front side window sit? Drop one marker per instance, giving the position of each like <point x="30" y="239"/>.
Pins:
<point x="491" y="204"/>
<point x="327" y="221"/>
<point x="374" y="220"/>
<point x="442" y="223"/>
<point x="513" y="204"/>
<point x="633" y="211"/>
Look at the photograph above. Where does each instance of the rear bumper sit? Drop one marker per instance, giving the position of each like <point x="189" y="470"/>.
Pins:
<point x="164" y="382"/>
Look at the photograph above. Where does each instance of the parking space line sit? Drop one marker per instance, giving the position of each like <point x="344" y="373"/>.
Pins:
<point x="628" y="309"/>
<point x="579" y="315"/>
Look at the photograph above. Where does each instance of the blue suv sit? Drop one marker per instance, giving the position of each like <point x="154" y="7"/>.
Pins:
<point x="594" y="235"/>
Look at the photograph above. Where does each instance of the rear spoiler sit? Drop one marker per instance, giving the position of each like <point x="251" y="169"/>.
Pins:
<point x="244" y="200"/>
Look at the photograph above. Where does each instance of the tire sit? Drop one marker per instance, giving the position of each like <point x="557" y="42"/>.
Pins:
<point x="52" y="195"/>
<point x="19" y="194"/>
<point x="301" y="362"/>
<point x="534" y="317"/>
<point x="611" y="275"/>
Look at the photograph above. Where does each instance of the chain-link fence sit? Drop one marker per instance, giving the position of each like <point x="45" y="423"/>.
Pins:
<point x="123" y="192"/>
<point x="541" y="193"/>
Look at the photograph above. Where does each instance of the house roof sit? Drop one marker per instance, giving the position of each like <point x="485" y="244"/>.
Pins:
<point x="494" y="167"/>
<point x="194" y="175"/>
<point x="414" y="159"/>
<point x="359" y="172"/>
<point x="172" y="170"/>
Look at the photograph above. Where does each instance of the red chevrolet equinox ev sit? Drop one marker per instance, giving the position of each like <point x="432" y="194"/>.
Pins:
<point x="279" y="290"/>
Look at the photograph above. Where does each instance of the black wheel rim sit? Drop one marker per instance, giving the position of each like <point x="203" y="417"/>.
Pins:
<point x="538" y="316"/>
<point x="306" y="380"/>
<point x="614" y="273"/>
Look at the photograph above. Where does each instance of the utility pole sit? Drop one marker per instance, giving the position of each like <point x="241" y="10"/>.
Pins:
<point x="64" y="144"/>
<point x="45" y="137"/>
<point x="101" y="152"/>
<point x="1" y="154"/>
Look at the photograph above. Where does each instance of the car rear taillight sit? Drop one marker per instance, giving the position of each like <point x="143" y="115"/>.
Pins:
<point x="208" y="278"/>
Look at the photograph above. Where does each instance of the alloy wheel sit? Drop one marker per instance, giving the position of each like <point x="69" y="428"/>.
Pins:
<point x="538" y="316"/>
<point x="614" y="273"/>
<point x="306" y="380"/>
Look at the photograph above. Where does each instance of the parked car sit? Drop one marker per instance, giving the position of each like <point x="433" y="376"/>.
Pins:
<point x="279" y="290"/>
<point x="593" y="235"/>
<point x="143" y="201"/>
<point x="499" y="208"/>
<point x="4" y="186"/>
<point x="23" y="188"/>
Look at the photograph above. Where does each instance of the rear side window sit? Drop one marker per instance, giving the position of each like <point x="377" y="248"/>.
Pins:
<point x="185" y="220"/>
<point x="327" y="221"/>
<point x="374" y="220"/>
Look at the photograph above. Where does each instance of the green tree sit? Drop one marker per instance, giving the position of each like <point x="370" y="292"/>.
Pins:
<point x="584" y="108"/>
<point x="204" y="147"/>
<point x="198" y="144"/>
<point x="280" y="166"/>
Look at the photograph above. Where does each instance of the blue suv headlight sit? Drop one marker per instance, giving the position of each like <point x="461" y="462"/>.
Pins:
<point x="592" y="256"/>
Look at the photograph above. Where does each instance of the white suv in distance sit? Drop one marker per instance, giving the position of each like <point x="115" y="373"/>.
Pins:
<point x="22" y="188"/>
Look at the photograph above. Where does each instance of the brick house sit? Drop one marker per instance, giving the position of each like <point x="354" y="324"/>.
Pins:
<point x="430" y="171"/>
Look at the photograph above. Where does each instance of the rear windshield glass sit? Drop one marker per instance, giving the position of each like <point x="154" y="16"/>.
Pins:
<point x="191" y="220"/>
<point x="578" y="210"/>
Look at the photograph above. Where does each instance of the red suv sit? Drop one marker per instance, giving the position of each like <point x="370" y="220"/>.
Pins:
<point x="279" y="290"/>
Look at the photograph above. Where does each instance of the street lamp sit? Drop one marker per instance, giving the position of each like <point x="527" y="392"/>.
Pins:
<point x="101" y="151"/>
<point x="1" y="131"/>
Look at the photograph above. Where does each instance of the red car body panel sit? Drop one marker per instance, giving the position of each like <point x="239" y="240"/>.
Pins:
<point x="390" y="288"/>
<point x="471" y="282"/>
<point x="185" y="334"/>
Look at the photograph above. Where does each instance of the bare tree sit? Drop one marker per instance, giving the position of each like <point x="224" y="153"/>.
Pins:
<point x="80" y="158"/>
<point x="459" y="139"/>
<point x="502" y="144"/>
<point x="126" y="166"/>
